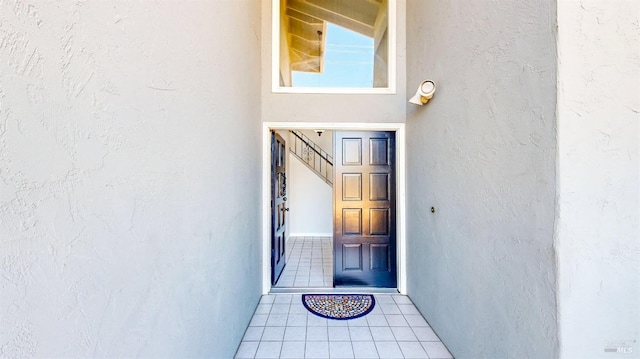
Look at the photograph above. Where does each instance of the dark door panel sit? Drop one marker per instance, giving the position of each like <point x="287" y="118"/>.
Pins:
<point x="278" y="205"/>
<point x="364" y="209"/>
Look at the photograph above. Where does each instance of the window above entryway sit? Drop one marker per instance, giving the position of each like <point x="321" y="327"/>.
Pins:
<point x="329" y="46"/>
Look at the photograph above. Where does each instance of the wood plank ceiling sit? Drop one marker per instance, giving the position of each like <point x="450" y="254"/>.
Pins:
<point x="305" y="26"/>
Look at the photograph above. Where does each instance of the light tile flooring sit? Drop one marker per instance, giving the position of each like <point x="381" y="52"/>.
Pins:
<point x="283" y="328"/>
<point x="309" y="263"/>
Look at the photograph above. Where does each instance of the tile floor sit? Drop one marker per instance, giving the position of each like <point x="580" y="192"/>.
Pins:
<point x="283" y="328"/>
<point x="309" y="263"/>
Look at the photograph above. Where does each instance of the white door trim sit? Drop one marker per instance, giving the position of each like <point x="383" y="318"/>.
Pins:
<point x="398" y="128"/>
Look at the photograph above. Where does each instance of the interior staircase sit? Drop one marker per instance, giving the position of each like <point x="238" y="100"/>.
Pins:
<point x="313" y="156"/>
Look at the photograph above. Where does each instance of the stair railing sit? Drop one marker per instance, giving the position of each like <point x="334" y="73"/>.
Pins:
<point x="313" y="156"/>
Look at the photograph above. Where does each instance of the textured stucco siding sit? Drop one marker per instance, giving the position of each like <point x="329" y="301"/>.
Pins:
<point x="599" y="178"/>
<point x="129" y="173"/>
<point x="483" y="153"/>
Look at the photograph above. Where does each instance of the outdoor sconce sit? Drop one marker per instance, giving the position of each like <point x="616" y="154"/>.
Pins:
<point x="424" y="93"/>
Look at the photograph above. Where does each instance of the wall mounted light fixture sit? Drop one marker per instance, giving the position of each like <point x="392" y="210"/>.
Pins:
<point x="319" y="132"/>
<point x="424" y="93"/>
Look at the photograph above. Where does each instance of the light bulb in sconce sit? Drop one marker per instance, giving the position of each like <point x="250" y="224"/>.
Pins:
<point x="319" y="132"/>
<point x="425" y="92"/>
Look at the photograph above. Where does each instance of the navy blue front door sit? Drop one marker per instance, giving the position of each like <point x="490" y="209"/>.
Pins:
<point x="278" y="205"/>
<point x="365" y="209"/>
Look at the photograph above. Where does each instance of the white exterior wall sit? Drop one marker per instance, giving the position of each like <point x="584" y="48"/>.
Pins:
<point x="483" y="153"/>
<point x="598" y="230"/>
<point x="129" y="175"/>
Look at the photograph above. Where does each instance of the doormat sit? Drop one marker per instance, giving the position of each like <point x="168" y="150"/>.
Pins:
<point x="339" y="306"/>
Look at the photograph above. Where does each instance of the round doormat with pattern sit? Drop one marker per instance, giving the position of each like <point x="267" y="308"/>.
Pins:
<point x="339" y="306"/>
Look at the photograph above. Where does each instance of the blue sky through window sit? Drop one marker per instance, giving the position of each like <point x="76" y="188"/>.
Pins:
<point x="348" y="61"/>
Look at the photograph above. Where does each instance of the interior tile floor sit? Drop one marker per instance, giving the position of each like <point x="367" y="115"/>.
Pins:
<point x="309" y="263"/>
<point x="283" y="328"/>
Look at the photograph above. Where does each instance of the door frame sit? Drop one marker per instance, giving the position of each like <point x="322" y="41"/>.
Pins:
<point x="398" y="128"/>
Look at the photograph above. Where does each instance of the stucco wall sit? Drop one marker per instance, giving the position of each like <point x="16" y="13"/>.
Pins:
<point x="599" y="164"/>
<point x="129" y="173"/>
<point x="483" y="153"/>
<point x="287" y="107"/>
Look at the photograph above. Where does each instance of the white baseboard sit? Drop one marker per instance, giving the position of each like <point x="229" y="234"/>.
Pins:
<point x="310" y="234"/>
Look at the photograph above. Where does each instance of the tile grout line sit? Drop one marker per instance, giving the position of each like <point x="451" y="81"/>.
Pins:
<point x="397" y="304"/>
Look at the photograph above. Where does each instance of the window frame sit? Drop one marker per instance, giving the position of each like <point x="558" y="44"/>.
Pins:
<point x="275" y="60"/>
